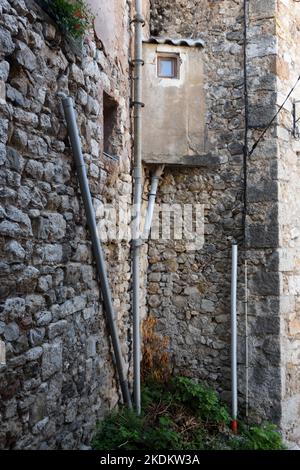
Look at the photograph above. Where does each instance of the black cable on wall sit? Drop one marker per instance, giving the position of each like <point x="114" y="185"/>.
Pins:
<point x="246" y="109"/>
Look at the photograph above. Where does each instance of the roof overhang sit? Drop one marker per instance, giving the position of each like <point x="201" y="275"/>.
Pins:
<point x="187" y="42"/>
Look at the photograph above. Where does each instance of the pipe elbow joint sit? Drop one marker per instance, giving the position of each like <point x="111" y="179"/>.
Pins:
<point x="62" y="95"/>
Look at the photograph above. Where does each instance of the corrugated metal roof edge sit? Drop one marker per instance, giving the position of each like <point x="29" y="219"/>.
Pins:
<point x="176" y="42"/>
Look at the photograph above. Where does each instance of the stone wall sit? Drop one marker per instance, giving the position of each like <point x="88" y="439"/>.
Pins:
<point x="262" y="228"/>
<point x="189" y="292"/>
<point x="59" y="377"/>
<point x="288" y="22"/>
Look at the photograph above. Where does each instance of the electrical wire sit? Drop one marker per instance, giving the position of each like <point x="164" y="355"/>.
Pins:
<point x="273" y="119"/>
<point x="246" y="146"/>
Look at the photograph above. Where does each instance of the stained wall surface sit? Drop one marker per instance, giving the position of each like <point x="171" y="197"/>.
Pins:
<point x="174" y="114"/>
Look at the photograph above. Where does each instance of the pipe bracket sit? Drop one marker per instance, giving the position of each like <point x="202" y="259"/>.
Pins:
<point x="133" y="62"/>
<point x="139" y="103"/>
<point x="138" y="19"/>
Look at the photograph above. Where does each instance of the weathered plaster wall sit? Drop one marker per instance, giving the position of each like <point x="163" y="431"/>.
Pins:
<point x="59" y="378"/>
<point x="111" y="24"/>
<point x="189" y="292"/>
<point x="174" y="114"/>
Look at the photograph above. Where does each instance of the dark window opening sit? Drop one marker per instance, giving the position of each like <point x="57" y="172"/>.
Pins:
<point x="168" y="66"/>
<point x="110" y="125"/>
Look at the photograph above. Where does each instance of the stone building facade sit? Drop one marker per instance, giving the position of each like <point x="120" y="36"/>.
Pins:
<point x="59" y="377"/>
<point x="190" y="292"/>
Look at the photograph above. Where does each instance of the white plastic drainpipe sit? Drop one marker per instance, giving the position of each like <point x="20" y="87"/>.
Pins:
<point x="151" y="201"/>
<point x="234" y="263"/>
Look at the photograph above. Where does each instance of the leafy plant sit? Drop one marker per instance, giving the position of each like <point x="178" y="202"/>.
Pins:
<point x="120" y="429"/>
<point x="74" y="17"/>
<point x="202" y="400"/>
<point x="265" y="437"/>
<point x="164" y="435"/>
<point x="126" y="430"/>
<point x="180" y="415"/>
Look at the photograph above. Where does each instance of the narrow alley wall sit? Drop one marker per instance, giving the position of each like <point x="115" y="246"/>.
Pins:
<point x="59" y="378"/>
<point x="189" y="292"/>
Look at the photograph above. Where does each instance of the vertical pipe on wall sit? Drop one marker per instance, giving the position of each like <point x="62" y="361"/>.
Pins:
<point x="151" y="201"/>
<point x="246" y="342"/>
<point x="96" y="244"/>
<point x="234" y="257"/>
<point x="137" y="201"/>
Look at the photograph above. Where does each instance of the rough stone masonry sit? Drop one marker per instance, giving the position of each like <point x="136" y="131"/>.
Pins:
<point x="59" y="378"/>
<point x="189" y="292"/>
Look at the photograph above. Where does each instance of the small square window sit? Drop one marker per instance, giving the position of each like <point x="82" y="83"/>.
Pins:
<point x="167" y="66"/>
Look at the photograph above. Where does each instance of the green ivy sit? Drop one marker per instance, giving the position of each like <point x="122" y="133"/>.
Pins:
<point x="75" y="18"/>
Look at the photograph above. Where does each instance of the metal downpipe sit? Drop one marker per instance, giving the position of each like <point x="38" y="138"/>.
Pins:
<point x="137" y="200"/>
<point x="234" y="263"/>
<point x="96" y="243"/>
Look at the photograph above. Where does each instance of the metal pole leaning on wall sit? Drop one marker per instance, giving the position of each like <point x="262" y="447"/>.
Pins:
<point x="96" y="244"/>
<point x="234" y="264"/>
<point x="137" y="200"/>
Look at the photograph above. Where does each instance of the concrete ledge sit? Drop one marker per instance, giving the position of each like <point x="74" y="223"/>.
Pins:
<point x="205" y="161"/>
